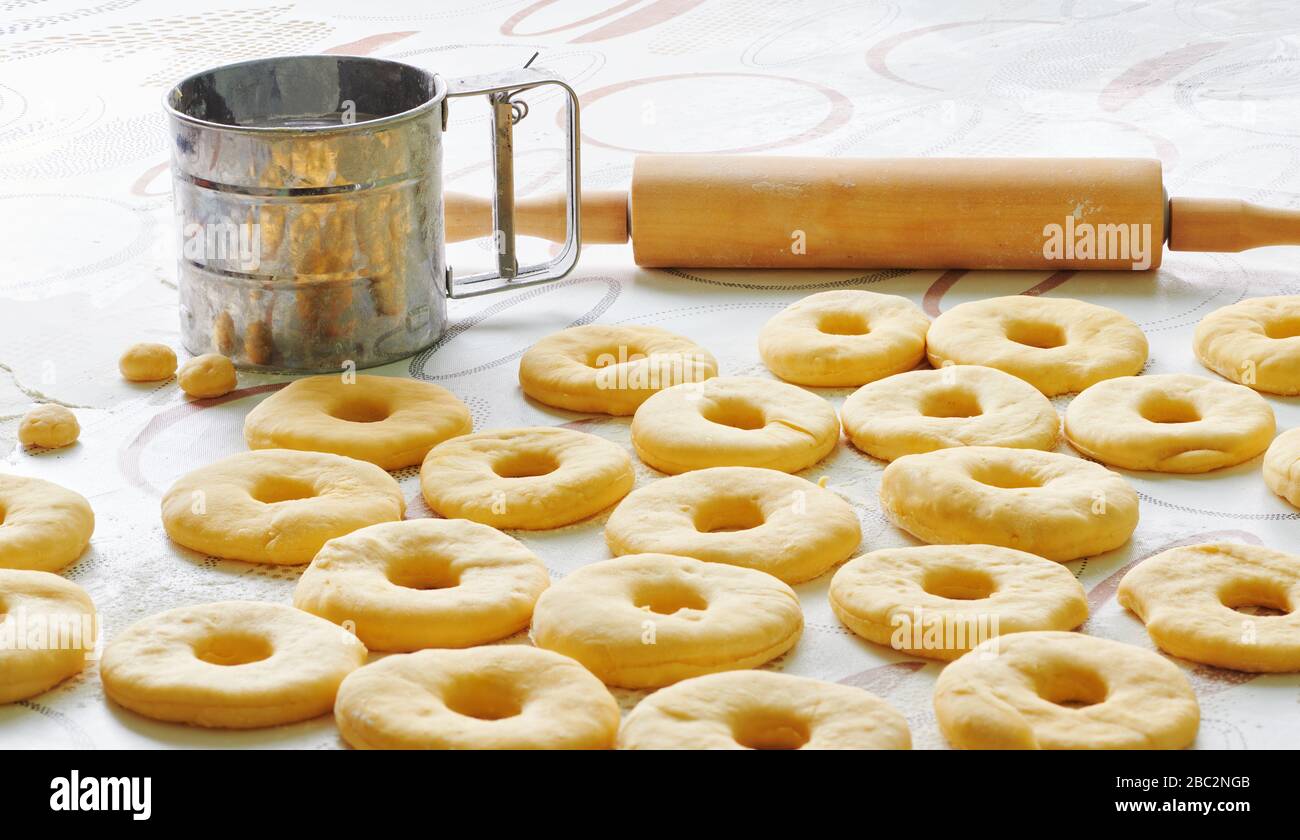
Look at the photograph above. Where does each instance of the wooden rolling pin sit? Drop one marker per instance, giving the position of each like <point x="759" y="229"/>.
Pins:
<point x="786" y="212"/>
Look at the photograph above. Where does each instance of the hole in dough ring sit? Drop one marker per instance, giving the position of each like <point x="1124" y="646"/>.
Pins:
<point x="1282" y="466"/>
<point x="389" y="421"/>
<point x="1051" y="690"/>
<point x="1058" y="345"/>
<point x="31" y="599"/>
<point x="960" y="405"/>
<point x="499" y="697"/>
<point x="1254" y="342"/>
<point x="844" y="338"/>
<point x="734" y="421"/>
<point x="607" y="369"/>
<point x="1192" y="599"/>
<point x="939" y="601"/>
<point x="231" y="664"/>
<point x="277" y="505"/>
<point x="739" y="710"/>
<point x="1048" y="504"/>
<point x="1176" y="423"/>
<point x="43" y="526"/>
<point x="533" y="478"/>
<point x="424" y="583"/>
<point x="742" y="516"/>
<point x="647" y="620"/>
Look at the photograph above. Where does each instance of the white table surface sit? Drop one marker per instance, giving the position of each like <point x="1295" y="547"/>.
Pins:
<point x="1210" y="88"/>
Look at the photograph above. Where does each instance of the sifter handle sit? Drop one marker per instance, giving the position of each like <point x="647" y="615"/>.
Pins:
<point x="501" y="90"/>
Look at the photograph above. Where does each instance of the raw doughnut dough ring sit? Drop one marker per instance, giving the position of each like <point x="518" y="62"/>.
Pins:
<point x="647" y="620"/>
<point x="534" y="478"/>
<point x="42" y="525"/>
<point x="424" y="583"/>
<point x="387" y="420"/>
<point x="277" y="505"/>
<point x="1254" y="342"/>
<point x="1282" y="466"/>
<point x="49" y="426"/>
<point x="68" y="616"/>
<point x="763" y="710"/>
<point x="734" y="421"/>
<point x="232" y="665"/>
<point x="501" y="697"/>
<point x="844" y="338"/>
<point x="1051" y="690"/>
<point x="939" y="601"/>
<point x="960" y="405"/>
<point x="1052" y="505"/>
<point x="607" y="369"/>
<point x="1058" y="345"/>
<point x="1190" y="597"/>
<point x="742" y="516"/>
<point x="1175" y="422"/>
<point x="207" y="376"/>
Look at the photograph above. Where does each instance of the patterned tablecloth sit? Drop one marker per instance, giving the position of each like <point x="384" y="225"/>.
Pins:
<point x="1210" y="87"/>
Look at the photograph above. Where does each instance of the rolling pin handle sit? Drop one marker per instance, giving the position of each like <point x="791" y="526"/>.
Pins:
<point x="1229" y="224"/>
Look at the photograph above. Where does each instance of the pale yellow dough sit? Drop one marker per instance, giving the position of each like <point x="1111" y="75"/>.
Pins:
<point x="147" y="362"/>
<point x="1051" y="690"/>
<point x="939" y="601"/>
<point x="424" y="583"/>
<point x="1254" y="342"/>
<point x="648" y="620"/>
<point x="607" y="369"/>
<point x="32" y="602"/>
<point x="499" y="697"/>
<point x="959" y="405"/>
<point x="1173" y="422"/>
<point x="763" y="710"/>
<point x="387" y="420"/>
<point x="49" y="426"/>
<point x="277" y="505"/>
<point x="533" y="478"/>
<point x="231" y="665"/>
<point x="1058" y="345"/>
<point x="43" y="526"/>
<point x="207" y="376"/>
<point x="742" y="516"/>
<point x="1282" y="466"/>
<point x="1052" y="505"/>
<point x="844" y="338"/>
<point x="1189" y="598"/>
<point x="734" y="421"/>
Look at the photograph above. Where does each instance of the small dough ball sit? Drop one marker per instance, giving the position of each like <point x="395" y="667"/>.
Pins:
<point x="48" y="426"/>
<point x="209" y="375"/>
<point x="147" y="362"/>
